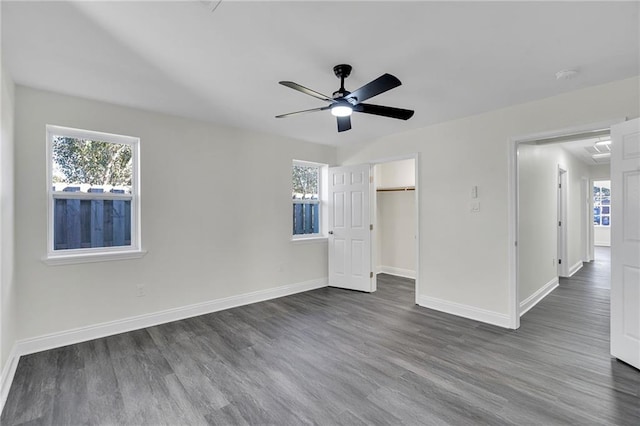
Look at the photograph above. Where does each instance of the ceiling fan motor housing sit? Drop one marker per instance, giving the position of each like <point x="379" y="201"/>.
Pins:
<point x="343" y="102"/>
<point x="342" y="70"/>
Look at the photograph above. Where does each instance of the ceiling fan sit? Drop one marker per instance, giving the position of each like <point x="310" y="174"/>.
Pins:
<point x="343" y="102"/>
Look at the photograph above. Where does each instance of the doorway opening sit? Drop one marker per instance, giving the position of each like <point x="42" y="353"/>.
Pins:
<point x="395" y="230"/>
<point x="562" y="222"/>
<point x="601" y="223"/>
<point x="552" y="209"/>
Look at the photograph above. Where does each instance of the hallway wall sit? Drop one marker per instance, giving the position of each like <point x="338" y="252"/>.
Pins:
<point x="538" y="215"/>
<point x="8" y="288"/>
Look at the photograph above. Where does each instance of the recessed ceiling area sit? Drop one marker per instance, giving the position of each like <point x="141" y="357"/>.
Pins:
<point x="454" y="59"/>
<point x="591" y="148"/>
<point x="591" y="151"/>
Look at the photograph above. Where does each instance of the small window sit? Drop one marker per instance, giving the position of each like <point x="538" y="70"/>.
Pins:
<point x="93" y="193"/>
<point x="602" y="203"/>
<point x="306" y="197"/>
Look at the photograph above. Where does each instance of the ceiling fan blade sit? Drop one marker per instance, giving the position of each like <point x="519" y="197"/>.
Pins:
<point x="344" y="123"/>
<point x="385" y="111"/>
<point x="379" y="85"/>
<point x="302" y="112"/>
<point x="299" y="88"/>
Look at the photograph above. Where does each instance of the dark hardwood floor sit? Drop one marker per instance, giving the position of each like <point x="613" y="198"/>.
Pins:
<point x="333" y="356"/>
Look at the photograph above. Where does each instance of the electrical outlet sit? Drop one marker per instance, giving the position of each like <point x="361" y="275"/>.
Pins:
<point x="140" y="290"/>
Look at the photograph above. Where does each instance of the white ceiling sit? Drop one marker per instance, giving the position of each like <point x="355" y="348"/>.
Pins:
<point x="585" y="148"/>
<point x="454" y="58"/>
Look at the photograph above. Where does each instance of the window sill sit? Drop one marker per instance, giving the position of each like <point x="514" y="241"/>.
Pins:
<point x="71" y="259"/>
<point x="309" y="240"/>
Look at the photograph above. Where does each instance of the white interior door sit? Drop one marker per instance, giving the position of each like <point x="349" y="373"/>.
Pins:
<point x="625" y="242"/>
<point x="563" y="269"/>
<point x="349" y="228"/>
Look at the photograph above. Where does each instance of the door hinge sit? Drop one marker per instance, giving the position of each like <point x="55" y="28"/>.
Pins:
<point x="559" y="223"/>
<point x="370" y="274"/>
<point x="559" y="186"/>
<point x="559" y="261"/>
<point x="371" y="227"/>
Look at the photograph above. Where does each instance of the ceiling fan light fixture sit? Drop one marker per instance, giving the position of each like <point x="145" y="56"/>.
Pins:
<point x="344" y="103"/>
<point x="341" y="110"/>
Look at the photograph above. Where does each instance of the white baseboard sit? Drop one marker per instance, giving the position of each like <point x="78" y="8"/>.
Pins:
<point x="575" y="268"/>
<point x="8" y="372"/>
<point x="400" y="272"/>
<point x="536" y="297"/>
<point x="465" y="311"/>
<point x="82" y="334"/>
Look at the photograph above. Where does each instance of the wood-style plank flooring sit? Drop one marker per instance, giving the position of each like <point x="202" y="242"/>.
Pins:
<point x="334" y="357"/>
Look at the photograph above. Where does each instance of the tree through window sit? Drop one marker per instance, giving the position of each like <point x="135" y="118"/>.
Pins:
<point x="92" y="192"/>
<point x="306" y="198"/>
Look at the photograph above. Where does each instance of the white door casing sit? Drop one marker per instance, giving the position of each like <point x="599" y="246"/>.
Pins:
<point x="563" y="269"/>
<point x="625" y="242"/>
<point x="562" y="223"/>
<point x="349" y="228"/>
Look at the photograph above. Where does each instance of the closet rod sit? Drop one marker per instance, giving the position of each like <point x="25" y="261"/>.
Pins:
<point x="408" y="188"/>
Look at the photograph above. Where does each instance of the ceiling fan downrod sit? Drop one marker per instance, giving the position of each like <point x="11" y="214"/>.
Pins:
<point x="341" y="71"/>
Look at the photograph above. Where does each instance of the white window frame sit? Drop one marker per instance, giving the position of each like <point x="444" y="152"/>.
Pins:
<point x="599" y="203"/>
<point x="94" y="254"/>
<point x="321" y="201"/>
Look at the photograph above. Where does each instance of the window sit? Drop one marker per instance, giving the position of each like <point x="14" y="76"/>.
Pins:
<point x="602" y="203"/>
<point x="93" y="195"/>
<point x="307" y="200"/>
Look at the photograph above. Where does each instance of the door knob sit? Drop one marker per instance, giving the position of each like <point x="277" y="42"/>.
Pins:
<point x="330" y="232"/>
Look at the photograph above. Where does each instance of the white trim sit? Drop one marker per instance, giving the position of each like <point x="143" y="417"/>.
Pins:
<point x="91" y="134"/>
<point x="308" y="240"/>
<point x="79" y="255"/>
<point x="72" y="259"/>
<point x="8" y="373"/>
<point x="465" y="311"/>
<point x="61" y="195"/>
<point x="536" y="297"/>
<point x="400" y="272"/>
<point x="562" y="231"/>
<point x="321" y="201"/>
<point x="575" y="268"/>
<point x="585" y="195"/>
<point x="512" y="198"/>
<point x="416" y="158"/>
<point x="82" y="334"/>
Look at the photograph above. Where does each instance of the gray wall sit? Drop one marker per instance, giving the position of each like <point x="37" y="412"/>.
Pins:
<point x="464" y="256"/>
<point x="216" y="217"/>
<point x="538" y="214"/>
<point x="8" y="288"/>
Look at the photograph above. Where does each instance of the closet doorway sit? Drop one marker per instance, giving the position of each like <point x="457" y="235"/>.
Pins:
<point x="395" y="231"/>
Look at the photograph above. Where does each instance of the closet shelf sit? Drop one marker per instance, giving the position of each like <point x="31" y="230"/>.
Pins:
<point x="399" y="188"/>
